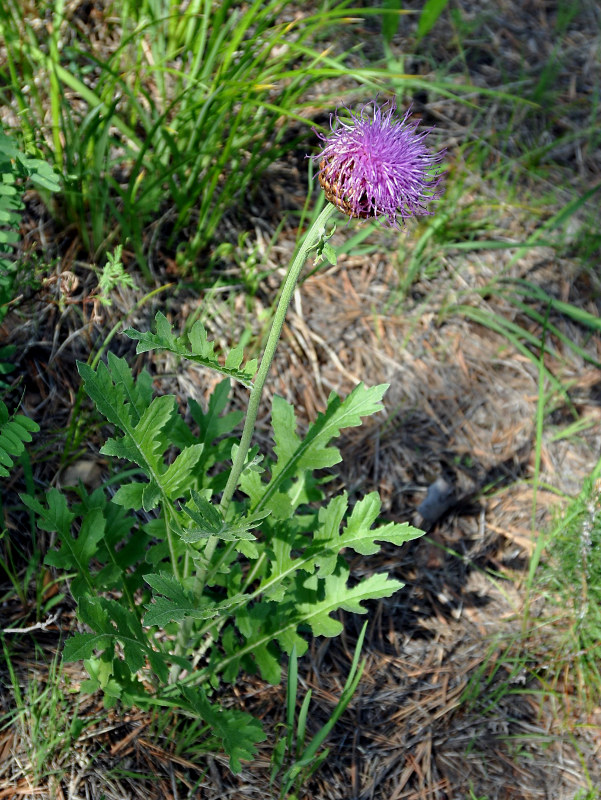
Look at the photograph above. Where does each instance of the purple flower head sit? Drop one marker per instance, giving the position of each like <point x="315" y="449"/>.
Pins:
<point x="377" y="165"/>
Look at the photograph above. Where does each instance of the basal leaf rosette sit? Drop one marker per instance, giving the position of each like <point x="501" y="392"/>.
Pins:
<point x="375" y="164"/>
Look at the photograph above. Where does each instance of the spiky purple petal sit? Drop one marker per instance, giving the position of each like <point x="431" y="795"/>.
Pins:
<point x="377" y="165"/>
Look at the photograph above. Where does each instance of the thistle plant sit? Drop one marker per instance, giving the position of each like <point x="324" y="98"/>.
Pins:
<point x="195" y="569"/>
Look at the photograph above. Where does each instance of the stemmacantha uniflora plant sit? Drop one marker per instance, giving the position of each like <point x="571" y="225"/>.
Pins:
<point x="198" y="568"/>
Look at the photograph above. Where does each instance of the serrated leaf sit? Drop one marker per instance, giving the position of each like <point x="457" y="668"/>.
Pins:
<point x="109" y="398"/>
<point x="112" y="622"/>
<point x="208" y="517"/>
<point x="237" y="730"/>
<point x="77" y="553"/>
<point x="163" y="611"/>
<point x="251" y="622"/>
<point x="164" y="329"/>
<point x="178" y="474"/>
<point x="146" y="425"/>
<point x="296" y="456"/>
<point x="208" y="521"/>
<point x="327" y="535"/>
<point x="234" y="357"/>
<point x="311" y="602"/>
<point x="215" y="423"/>
<point x="141" y="443"/>
<point x="118" y="549"/>
<point x="137" y="392"/>
<point x="337" y="594"/>
<point x="362" y="538"/>
<point x="56" y="516"/>
<point x="82" y="646"/>
<point x="358" y="534"/>
<point x="177" y="604"/>
<point x="150" y="496"/>
<point x="130" y="495"/>
<point x="113" y="389"/>
<point x="193" y="346"/>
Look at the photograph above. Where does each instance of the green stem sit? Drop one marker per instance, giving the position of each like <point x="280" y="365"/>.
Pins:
<point x="313" y="235"/>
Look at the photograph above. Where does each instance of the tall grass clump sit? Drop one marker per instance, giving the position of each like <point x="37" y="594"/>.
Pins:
<point x="573" y="574"/>
<point x="154" y="112"/>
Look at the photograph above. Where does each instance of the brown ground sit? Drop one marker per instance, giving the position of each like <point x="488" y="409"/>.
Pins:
<point x="451" y="699"/>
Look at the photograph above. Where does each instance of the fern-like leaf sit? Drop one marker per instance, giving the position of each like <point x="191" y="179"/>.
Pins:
<point x="15" y="431"/>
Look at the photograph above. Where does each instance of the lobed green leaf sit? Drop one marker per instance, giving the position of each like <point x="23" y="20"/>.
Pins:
<point x="295" y="457"/>
<point x="177" y="603"/>
<point x="193" y="346"/>
<point x="209" y="521"/>
<point x="237" y="730"/>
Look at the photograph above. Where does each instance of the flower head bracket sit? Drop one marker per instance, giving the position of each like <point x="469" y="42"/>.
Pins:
<point x="377" y="165"/>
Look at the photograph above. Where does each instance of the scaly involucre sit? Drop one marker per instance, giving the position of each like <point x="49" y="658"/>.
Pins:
<point x="377" y="165"/>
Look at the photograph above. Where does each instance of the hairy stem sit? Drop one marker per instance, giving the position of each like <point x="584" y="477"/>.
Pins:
<point x="313" y="235"/>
